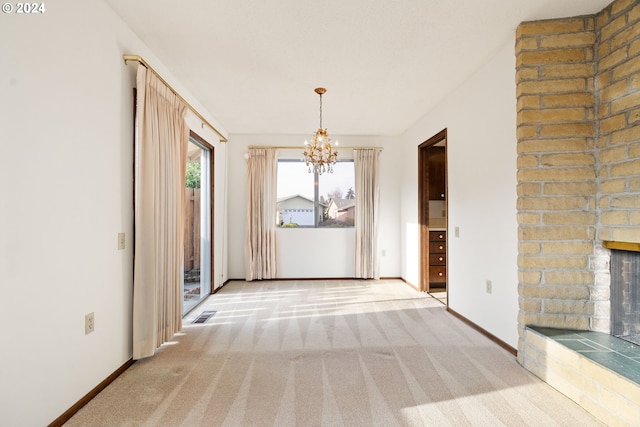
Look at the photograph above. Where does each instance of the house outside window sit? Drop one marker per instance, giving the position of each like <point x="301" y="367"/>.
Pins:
<point x="310" y="200"/>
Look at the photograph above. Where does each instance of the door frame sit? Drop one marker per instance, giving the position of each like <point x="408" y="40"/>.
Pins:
<point x="208" y="146"/>
<point x="423" y="206"/>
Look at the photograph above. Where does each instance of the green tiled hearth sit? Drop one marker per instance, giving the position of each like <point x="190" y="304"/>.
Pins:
<point x="615" y="354"/>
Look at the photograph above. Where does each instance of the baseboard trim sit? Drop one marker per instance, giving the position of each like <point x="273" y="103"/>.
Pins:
<point x="484" y="332"/>
<point x="408" y="283"/>
<point x="66" y="416"/>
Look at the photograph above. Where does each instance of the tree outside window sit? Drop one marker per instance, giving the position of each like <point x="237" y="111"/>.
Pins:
<point x="300" y="205"/>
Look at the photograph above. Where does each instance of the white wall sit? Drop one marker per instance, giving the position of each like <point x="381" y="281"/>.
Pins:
<point x="480" y="117"/>
<point x="66" y="156"/>
<point x="304" y="247"/>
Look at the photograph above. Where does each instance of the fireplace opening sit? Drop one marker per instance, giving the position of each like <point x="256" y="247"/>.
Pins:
<point x="625" y="295"/>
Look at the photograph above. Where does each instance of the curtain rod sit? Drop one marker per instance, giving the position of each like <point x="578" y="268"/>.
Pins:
<point x="295" y="147"/>
<point x="140" y="60"/>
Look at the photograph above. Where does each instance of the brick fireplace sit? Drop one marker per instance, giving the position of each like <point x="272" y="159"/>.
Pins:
<point x="578" y="130"/>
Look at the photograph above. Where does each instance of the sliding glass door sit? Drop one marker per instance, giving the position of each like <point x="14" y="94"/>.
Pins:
<point x="197" y="230"/>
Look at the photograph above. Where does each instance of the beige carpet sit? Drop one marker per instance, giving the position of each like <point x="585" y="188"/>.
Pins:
<point x="328" y="353"/>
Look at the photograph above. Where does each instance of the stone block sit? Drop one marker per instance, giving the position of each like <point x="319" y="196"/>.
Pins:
<point x="602" y="309"/>
<point x="567" y="248"/>
<point x="623" y="38"/>
<point x="526" y="43"/>
<point x="613" y="27"/>
<point x="626" y="234"/>
<point x="613" y="155"/>
<point x="528" y="101"/>
<point x="614" y="123"/>
<point x="634" y="13"/>
<point x="599" y="294"/>
<point x="552" y="26"/>
<point x="628" y="101"/>
<point x="587" y="38"/>
<point x="625" y="69"/>
<point x="613" y="91"/>
<point x="634" y="150"/>
<point x="552" y="203"/>
<point x="568" y="159"/>
<point x="610" y="380"/>
<point x="526" y="73"/>
<point x="542" y="87"/>
<point x="612" y="59"/>
<point x="549" y="292"/>
<point x="528" y="248"/>
<point x="634" y="48"/>
<point x="524" y="132"/>
<point x="529" y="218"/>
<point x="621" y="406"/>
<point x="568" y="70"/>
<point x="570" y="188"/>
<point x="555" y="262"/>
<point x="567" y="129"/>
<point x="530" y="277"/>
<point x="569" y="218"/>
<point x="530" y="305"/>
<point x="554" y="115"/>
<point x="525" y="161"/>
<point x="614" y="218"/>
<point x="568" y="278"/>
<point x="529" y="189"/>
<point x="568" y="99"/>
<point x="611" y="186"/>
<point x="625" y="202"/>
<point x="619" y="6"/>
<point x="556" y="174"/>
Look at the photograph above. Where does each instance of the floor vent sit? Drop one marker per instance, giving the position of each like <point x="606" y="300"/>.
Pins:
<point x="204" y="316"/>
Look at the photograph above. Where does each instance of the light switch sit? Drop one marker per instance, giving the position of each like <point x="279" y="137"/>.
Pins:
<point x="121" y="243"/>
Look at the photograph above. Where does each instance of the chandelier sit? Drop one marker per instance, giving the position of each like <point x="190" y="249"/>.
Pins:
<point x="320" y="156"/>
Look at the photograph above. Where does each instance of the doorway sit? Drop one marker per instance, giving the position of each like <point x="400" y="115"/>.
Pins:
<point x="432" y="213"/>
<point x="198" y="230"/>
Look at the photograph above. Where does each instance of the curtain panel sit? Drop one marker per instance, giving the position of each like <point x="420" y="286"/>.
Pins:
<point x="366" y="165"/>
<point x="162" y="136"/>
<point x="260" y="247"/>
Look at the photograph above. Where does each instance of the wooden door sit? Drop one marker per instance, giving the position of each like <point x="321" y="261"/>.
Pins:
<point x="431" y="186"/>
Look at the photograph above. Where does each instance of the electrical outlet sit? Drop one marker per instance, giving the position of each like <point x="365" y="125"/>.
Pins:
<point x="489" y="286"/>
<point x="457" y="231"/>
<point x="120" y="241"/>
<point x="89" y="323"/>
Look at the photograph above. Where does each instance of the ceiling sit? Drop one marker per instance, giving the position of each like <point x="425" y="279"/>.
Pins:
<point x="253" y="64"/>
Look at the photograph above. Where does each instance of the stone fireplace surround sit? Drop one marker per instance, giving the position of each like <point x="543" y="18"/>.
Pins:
<point x="578" y="130"/>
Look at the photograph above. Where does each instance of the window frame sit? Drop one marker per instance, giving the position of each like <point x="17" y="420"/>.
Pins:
<point x="317" y="212"/>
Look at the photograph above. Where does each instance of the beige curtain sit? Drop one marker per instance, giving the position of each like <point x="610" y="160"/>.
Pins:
<point x="367" y="213"/>
<point x="260" y="247"/>
<point x="161" y="149"/>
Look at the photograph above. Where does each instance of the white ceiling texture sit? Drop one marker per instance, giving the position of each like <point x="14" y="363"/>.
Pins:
<point x="253" y="64"/>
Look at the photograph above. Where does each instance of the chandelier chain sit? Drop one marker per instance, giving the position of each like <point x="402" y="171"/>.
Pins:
<point x="320" y="111"/>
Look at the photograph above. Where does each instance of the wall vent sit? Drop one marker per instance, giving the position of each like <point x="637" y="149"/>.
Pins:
<point x="204" y="316"/>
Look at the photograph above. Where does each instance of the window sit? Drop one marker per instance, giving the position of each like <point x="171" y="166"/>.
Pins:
<point x="197" y="272"/>
<point x="310" y="200"/>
